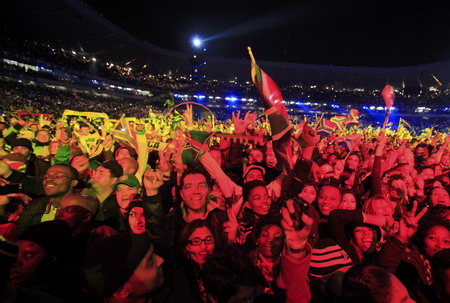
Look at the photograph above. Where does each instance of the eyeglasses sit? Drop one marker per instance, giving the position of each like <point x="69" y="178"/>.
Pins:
<point x="55" y="177"/>
<point x="198" y="241"/>
<point x="202" y="185"/>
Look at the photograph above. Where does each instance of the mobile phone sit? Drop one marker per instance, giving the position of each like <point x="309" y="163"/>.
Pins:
<point x="11" y="188"/>
<point x="300" y="207"/>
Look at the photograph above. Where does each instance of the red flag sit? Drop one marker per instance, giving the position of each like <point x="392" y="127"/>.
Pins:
<point x="276" y="113"/>
<point x="273" y="100"/>
<point x="388" y="96"/>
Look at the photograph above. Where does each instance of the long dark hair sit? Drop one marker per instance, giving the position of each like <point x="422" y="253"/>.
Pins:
<point x="187" y="231"/>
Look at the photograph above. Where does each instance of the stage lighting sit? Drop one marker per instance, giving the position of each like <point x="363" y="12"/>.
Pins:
<point x="196" y="41"/>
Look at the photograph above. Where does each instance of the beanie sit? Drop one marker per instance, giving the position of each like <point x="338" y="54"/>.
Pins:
<point x="22" y="142"/>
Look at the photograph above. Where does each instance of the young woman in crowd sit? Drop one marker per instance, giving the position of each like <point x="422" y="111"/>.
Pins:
<point x="308" y="192"/>
<point x="348" y="200"/>
<point x="135" y="216"/>
<point x="266" y="256"/>
<point x="408" y="254"/>
<point x="257" y="205"/>
<point x="196" y="245"/>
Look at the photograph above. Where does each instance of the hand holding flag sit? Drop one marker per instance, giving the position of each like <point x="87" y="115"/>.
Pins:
<point x="276" y="111"/>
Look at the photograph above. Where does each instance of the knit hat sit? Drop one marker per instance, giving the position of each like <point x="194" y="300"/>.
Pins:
<point x="327" y="257"/>
<point x="112" y="261"/>
<point x="53" y="236"/>
<point x="129" y="180"/>
<point x="22" y="142"/>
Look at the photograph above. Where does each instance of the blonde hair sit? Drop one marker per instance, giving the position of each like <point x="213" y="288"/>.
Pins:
<point x="368" y="207"/>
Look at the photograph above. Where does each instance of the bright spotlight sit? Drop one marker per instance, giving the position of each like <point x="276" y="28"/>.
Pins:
<point x="196" y="42"/>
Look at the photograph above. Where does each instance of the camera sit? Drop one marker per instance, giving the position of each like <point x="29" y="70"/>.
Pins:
<point x="300" y="207"/>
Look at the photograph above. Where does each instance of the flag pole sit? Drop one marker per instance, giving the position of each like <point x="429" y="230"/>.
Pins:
<point x="386" y="117"/>
<point x="250" y="53"/>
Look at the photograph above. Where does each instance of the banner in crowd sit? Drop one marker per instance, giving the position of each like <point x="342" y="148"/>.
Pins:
<point x="91" y="115"/>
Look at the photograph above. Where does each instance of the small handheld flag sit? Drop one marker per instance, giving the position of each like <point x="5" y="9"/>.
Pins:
<point x="388" y="96"/>
<point x="325" y="127"/>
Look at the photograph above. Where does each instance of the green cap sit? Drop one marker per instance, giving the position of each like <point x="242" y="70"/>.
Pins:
<point x="129" y="180"/>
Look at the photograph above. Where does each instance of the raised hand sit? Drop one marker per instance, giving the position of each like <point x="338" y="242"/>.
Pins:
<point x="295" y="239"/>
<point x="339" y="168"/>
<point x="250" y="117"/>
<point x="408" y="224"/>
<point x="232" y="226"/>
<point x="188" y="116"/>
<point x="239" y="124"/>
<point x="152" y="181"/>
<point x="307" y="138"/>
<point x="25" y="198"/>
<point x="165" y="157"/>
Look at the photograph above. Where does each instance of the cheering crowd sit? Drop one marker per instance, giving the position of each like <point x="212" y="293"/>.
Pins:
<point x="174" y="209"/>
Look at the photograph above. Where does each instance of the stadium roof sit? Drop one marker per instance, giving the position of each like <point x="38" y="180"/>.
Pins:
<point x="73" y="25"/>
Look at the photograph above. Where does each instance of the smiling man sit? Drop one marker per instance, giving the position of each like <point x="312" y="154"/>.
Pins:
<point x="328" y="200"/>
<point x="195" y="189"/>
<point x="59" y="181"/>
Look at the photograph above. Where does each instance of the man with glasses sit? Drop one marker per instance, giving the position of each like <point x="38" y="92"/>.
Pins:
<point x="59" y="181"/>
<point x="195" y="189"/>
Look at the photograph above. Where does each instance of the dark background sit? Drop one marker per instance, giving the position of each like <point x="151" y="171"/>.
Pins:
<point x="346" y="33"/>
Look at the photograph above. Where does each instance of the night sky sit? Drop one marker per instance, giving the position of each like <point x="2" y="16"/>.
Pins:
<point x="357" y="33"/>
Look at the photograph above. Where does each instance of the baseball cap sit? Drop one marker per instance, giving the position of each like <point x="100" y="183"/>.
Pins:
<point x="129" y="180"/>
<point x="114" y="167"/>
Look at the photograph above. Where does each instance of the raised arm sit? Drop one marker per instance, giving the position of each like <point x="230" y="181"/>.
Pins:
<point x="296" y="257"/>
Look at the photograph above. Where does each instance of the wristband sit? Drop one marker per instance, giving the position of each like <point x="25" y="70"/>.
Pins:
<point x="295" y="251"/>
<point x="300" y="248"/>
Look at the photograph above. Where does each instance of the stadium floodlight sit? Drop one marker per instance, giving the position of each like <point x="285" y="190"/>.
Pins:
<point x="196" y="41"/>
